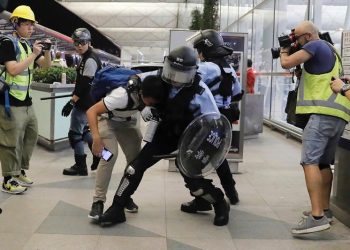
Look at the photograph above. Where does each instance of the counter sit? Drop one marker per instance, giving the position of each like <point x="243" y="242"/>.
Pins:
<point x="52" y="126"/>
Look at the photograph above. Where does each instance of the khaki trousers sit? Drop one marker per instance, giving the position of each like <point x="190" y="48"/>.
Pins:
<point x="129" y="137"/>
<point x="18" y="137"/>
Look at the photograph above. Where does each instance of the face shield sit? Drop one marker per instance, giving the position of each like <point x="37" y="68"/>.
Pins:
<point x="195" y="38"/>
<point x="176" y="74"/>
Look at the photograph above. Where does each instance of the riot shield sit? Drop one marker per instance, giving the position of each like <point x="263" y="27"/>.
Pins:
<point x="204" y="145"/>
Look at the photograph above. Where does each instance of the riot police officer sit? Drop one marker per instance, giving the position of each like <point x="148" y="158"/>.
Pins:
<point x="80" y="102"/>
<point x="224" y="85"/>
<point x="188" y="98"/>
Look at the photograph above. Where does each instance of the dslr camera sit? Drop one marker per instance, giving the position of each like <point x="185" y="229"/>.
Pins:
<point x="46" y="46"/>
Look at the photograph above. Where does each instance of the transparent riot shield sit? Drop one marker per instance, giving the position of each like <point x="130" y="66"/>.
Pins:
<point x="204" y="145"/>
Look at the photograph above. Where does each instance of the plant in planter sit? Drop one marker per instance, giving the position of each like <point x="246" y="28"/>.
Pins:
<point x="54" y="74"/>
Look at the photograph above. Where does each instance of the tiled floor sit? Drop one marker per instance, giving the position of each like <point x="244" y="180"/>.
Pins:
<point x="53" y="213"/>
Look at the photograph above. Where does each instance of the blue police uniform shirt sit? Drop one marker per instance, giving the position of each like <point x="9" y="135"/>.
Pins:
<point x="209" y="72"/>
<point x="201" y="103"/>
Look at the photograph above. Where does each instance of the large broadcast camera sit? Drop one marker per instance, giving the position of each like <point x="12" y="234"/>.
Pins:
<point x="290" y="41"/>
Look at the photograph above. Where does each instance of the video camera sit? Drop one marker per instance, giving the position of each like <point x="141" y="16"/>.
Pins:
<point x="289" y="41"/>
<point x="285" y="42"/>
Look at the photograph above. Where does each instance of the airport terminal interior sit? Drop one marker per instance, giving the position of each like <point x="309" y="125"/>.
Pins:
<point x="265" y="150"/>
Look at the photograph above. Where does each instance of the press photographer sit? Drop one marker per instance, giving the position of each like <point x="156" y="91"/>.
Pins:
<point x="327" y="114"/>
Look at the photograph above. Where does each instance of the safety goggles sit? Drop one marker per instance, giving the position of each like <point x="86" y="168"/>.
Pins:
<point x="80" y="42"/>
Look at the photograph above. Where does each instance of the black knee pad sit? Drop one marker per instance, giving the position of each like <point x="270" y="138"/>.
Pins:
<point x="324" y="166"/>
<point x="74" y="138"/>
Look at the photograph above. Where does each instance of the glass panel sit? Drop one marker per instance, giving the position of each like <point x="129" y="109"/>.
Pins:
<point x="230" y="12"/>
<point x="261" y="43"/>
<point x="245" y="26"/>
<point x="288" y="14"/>
<point x="322" y="11"/>
<point x="244" y="7"/>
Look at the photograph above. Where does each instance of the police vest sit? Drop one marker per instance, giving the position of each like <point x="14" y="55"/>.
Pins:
<point x="176" y="114"/>
<point x="86" y="100"/>
<point x="226" y="79"/>
<point x="20" y="84"/>
<point x="316" y="97"/>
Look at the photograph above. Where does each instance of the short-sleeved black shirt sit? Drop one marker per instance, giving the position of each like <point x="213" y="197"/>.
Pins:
<point x="7" y="53"/>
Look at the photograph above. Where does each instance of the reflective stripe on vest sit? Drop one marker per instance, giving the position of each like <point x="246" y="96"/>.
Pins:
<point x="316" y="97"/>
<point x="19" y="84"/>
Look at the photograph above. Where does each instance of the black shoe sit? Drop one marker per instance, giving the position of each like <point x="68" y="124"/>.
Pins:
<point x="233" y="196"/>
<point x="114" y="214"/>
<point x="198" y="204"/>
<point x="131" y="207"/>
<point x="222" y="210"/>
<point x="96" y="210"/>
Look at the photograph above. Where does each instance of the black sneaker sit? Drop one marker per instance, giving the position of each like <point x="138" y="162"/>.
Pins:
<point x="96" y="210"/>
<point x="131" y="207"/>
<point x="196" y="205"/>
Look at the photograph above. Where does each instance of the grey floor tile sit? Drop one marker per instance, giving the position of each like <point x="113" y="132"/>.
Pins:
<point x="53" y="213"/>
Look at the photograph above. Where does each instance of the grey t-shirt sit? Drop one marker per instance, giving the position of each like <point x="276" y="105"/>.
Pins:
<point x="90" y="68"/>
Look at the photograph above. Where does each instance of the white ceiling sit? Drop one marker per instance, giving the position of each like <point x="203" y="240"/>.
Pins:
<point x="140" y="27"/>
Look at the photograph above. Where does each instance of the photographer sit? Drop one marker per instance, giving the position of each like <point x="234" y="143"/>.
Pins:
<point x="328" y="114"/>
<point x="18" y="123"/>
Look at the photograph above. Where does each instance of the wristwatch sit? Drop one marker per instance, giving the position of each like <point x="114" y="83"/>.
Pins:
<point x="345" y="88"/>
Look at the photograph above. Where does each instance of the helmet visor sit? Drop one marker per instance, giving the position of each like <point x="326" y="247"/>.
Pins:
<point x="176" y="76"/>
<point x="195" y="38"/>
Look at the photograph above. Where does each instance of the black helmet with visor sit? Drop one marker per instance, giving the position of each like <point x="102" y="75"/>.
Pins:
<point x="180" y="66"/>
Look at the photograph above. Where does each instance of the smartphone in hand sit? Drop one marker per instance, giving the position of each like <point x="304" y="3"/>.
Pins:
<point x="106" y="154"/>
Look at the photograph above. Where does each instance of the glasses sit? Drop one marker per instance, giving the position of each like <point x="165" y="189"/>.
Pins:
<point x="297" y="37"/>
<point x="82" y="43"/>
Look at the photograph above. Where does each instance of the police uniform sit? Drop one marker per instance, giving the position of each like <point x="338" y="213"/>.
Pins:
<point x="211" y="74"/>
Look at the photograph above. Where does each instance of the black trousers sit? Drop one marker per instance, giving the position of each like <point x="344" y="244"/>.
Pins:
<point x="162" y="143"/>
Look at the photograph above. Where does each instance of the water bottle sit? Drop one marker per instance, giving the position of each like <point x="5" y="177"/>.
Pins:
<point x="64" y="78"/>
<point x="151" y="130"/>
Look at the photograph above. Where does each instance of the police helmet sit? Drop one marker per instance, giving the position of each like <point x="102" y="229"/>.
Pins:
<point x="81" y="34"/>
<point x="180" y="66"/>
<point x="210" y="43"/>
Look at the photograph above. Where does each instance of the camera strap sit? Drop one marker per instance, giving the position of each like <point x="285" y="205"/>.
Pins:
<point x="6" y="95"/>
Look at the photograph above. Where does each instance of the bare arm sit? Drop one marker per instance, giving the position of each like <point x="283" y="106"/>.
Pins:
<point x="297" y="58"/>
<point x="92" y="114"/>
<point x="14" y="68"/>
